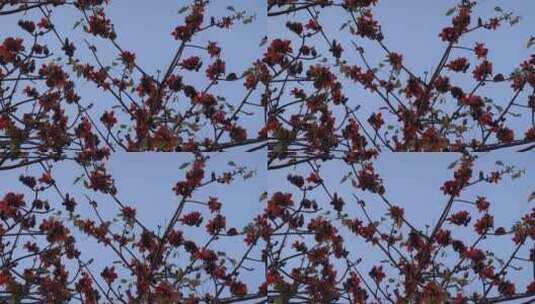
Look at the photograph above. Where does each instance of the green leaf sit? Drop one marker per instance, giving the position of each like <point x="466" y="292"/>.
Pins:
<point x="451" y="11"/>
<point x="263" y="196"/>
<point x="263" y="41"/>
<point x="517" y="174"/>
<point x="184" y="165"/>
<point x="514" y="20"/>
<point x="77" y="24"/>
<point x="183" y="9"/>
<point x="531" y="196"/>
<point x="530" y="42"/>
<point x="78" y="179"/>
<point x="248" y="20"/>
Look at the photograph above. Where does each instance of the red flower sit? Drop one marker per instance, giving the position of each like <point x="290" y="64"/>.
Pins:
<point x="480" y="50"/>
<point x="216" y="224"/>
<point x="109" y="274"/>
<point x="5" y="277"/>
<point x="183" y="32"/>
<point x="46" y="179"/>
<point x="368" y="180"/>
<point x="100" y="181"/>
<point x="10" y="48"/>
<point x="506" y="288"/>
<point x="277" y="51"/>
<point x="213" y="49"/>
<point x="108" y="119"/>
<point x="505" y="135"/>
<point x="238" y="134"/>
<point x="449" y="34"/>
<point x="530" y="133"/>
<point x="99" y="25"/>
<point x="5" y="122"/>
<point x="11" y="203"/>
<point x="215" y="69"/>
<point x="128" y="59"/>
<point x="367" y="27"/>
<point x="237" y="288"/>
<point x="166" y="293"/>
<point x="443" y="237"/>
<point x="278" y="203"/>
<point x="191" y="63"/>
<point x="396" y="213"/>
<point x="395" y="60"/>
<point x="377" y="274"/>
<point x="482" y="204"/>
<point x="192" y="219"/>
<point x="474" y="254"/>
<point x="55" y="230"/>
<point x="484" y="223"/>
<point x="313" y="25"/>
<point x="313" y="178"/>
<point x="44" y="23"/>
<point x="482" y="70"/>
<point x="493" y="23"/>
<point x="206" y="99"/>
<point x="214" y="204"/>
<point x="531" y="287"/>
<point x="460" y="218"/>
<point x="458" y="65"/>
<point x="376" y="120"/>
<point x="352" y="4"/>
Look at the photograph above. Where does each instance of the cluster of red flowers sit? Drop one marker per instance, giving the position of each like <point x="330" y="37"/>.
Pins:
<point x="460" y="23"/>
<point x="101" y="26"/>
<point x="192" y="23"/>
<point x="215" y="69"/>
<point x="458" y="65"/>
<point x="353" y="4"/>
<point x="192" y="219"/>
<point x="192" y="63"/>
<point x="216" y="224"/>
<point x="368" y="27"/>
<point x="99" y="180"/>
<point x="461" y="177"/>
<point x="193" y="179"/>
<point x="9" y="49"/>
<point x="213" y="49"/>
<point x="367" y="179"/>
<point x="395" y="60"/>
<point x="11" y="203"/>
<point x="483" y="70"/>
<point x="277" y="52"/>
<point x="278" y="203"/>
